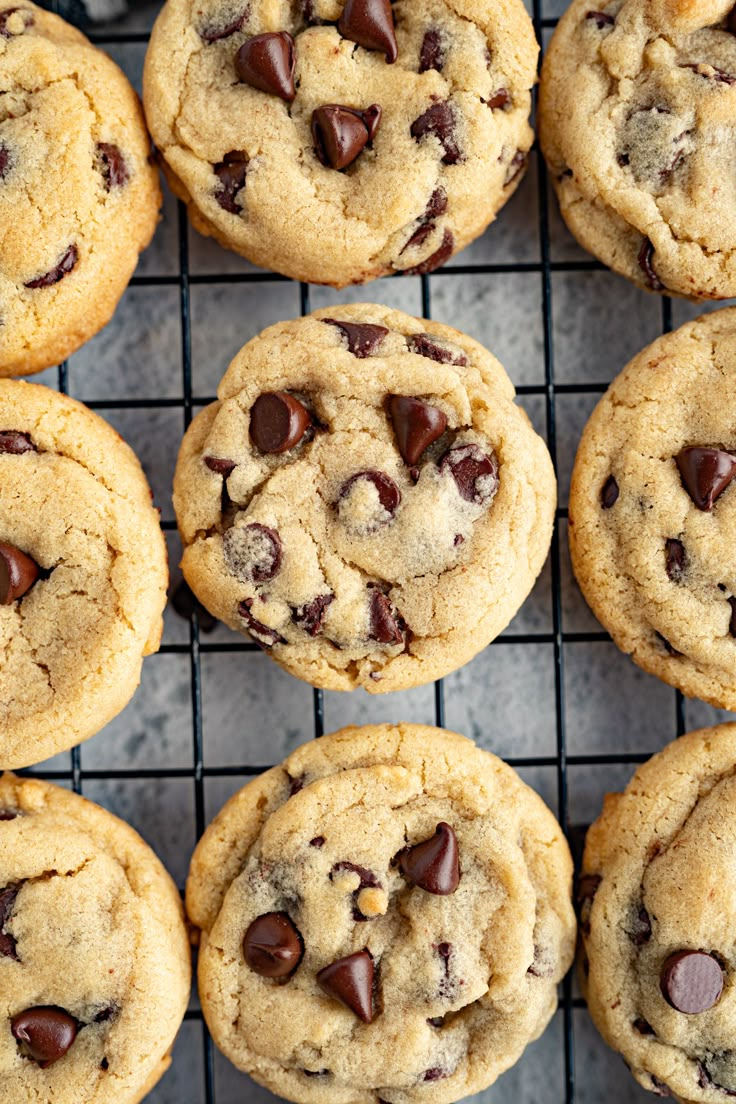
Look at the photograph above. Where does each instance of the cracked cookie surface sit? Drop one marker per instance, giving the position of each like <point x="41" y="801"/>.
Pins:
<point x="83" y="573"/>
<point x="79" y="199"/>
<point x="364" y="498"/>
<point x="657" y="919"/>
<point x="637" y="110"/>
<point x="94" y="955"/>
<point x="423" y="919"/>
<point x="653" y="512"/>
<point x="340" y="142"/>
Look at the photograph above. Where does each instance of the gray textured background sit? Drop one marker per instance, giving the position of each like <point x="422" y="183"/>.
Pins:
<point x="505" y="699"/>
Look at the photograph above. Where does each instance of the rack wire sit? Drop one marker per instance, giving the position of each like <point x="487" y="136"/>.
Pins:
<point x="195" y="647"/>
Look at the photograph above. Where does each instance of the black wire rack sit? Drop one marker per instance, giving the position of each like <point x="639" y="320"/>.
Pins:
<point x="195" y="647"/>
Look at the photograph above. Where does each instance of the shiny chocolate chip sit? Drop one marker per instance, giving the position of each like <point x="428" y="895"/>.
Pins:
<point x="267" y="62"/>
<point x="62" y="268"/>
<point x="311" y="616"/>
<point x="646" y="264"/>
<point x="437" y="204"/>
<point x="112" y="165"/>
<point x="474" y="471"/>
<point x="44" y="1034"/>
<point x="439" y="122"/>
<point x="500" y="99"/>
<point x="705" y="473"/>
<point x="341" y="133"/>
<point x="273" y="946"/>
<point x="433" y="864"/>
<point x="220" y="465"/>
<point x="278" y="421"/>
<point x="609" y="493"/>
<point x="432" y="54"/>
<point x="18" y="573"/>
<point x="386" y="623"/>
<point x="370" y="23"/>
<point x="675" y="559"/>
<point x="691" y="982"/>
<point x="434" y="348"/>
<point x="231" y="173"/>
<point x="363" y="338"/>
<point x="417" y="425"/>
<point x="16" y="443"/>
<point x="436" y="260"/>
<point x="350" y="981"/>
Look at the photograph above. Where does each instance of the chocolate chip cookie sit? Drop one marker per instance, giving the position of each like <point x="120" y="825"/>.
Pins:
<point x="638" y="124"/>
<point x="337" y="142"/>
<point x="657" y="919"/>
<point x="386" y="916"/>
<point x="94" y="956"/>
<point x="653" y="512"/>
<point x="364" y="498"/>
<point x="79" y="199"/>
<point x="83" y="573"/>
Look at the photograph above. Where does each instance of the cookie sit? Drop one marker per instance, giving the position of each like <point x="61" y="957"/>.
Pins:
<point x="79" y="198"/>
<point x="385" y="915"/>
<point x="364" y="498"/>
<point x="652" y="513"/>
<point x="83" y="573"/>
<point x="637" y="121"/>
<point x="657" y="919"/>
<point x="339" y="142"/>
<point x="94" y="954"/>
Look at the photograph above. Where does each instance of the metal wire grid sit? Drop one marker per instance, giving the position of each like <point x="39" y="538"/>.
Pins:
<point x="195" y="648"/>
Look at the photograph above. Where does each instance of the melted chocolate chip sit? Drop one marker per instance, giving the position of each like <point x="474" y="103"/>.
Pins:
<point x="434" y="1074"/>
<point x="417" y="425"/>
<point x="706" y="473"/>
<point x="370" y="23"/>
<point x="7" y="903"/>
<point x="185" y="603"/>
<point x="5" y="17"/>
<point x="231" y="173"/>
<point x="387" y="626"/>
<point x="609" y="494"/>
<point x="220" y="465"/>
<point x="8" y="814"/>
<point x="273" y="946"/>
<point x="692" y="982"/>
<point x="438" y="121"/>
<point x="368" y="880"/>
<point x="18" y="573"/>
<point x="433" y="864"/>
<point x="419" y="236"/>
<point x="587" y="888"/>
<point x="437" y="204"/>
<point x="267" y="62"/>
<point x="363" y="338"/>
<point x="278" y="421"/>
<point x="64" y="266"/>
<point x="499" y="99"/>
<point x="602" y="19"/>
<point x="261" y="633"/>
<point x="436" y="260"/>
<point x="389" y="495"/>
<point x="350" y="981"/>
<point x="16" y="443"/>
<point x="253" y="552"/>
<point x="639" y="928"/>
<point x="317" y="841"/>
<point x="341" y="133"/>
<point x="44" y="1034"/>
<point x="112" y="165"/>
<point x="432" y="54"/>
<point x="310" y="617"/>
<point x="646" y="264"/>
<point x="675" y="559"/>
<point x="474" y="471"/>
<point x="214" y="33"/>
<point x="428" y="346"/>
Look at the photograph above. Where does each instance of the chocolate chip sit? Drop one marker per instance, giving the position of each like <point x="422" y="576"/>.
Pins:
<point x="691" y="981"/>
<point x="296" y="785"/>
<point x="474" y="472"/>
<point x="639" y="929"/>
<point x="111" y="164"/>
<point x="350" y="980"/>
<point x="185" y="603"/>
<point x="370" y="23"/>
<point x="385" y="620"/>
<point x="706" y="1079"/>
<point x="18" y="573"/>
<point x="731" y="21"/>
<point x="433" y="865"/>
<point x="732" y="622"/>
<point x="675" y="559"/>
<point x="437" y="259"/>
<point x="609" y="494"/>
<point x="7" y="903"/>
<point x="367" y="877"/>
<point x="419" y="236"/>
<point x="278" y="421"/>
<point x="432" y="53"/>
<point x="253" y="552"/>
<point x="316" y="1073"/>
<point x="220" y="465"/>
<point x="341" y="133"/>
<point x="642" y="1027"/>
<point x="444" y="950"/>
<point x="501" y="98"/>
<point x="45" y="1034"/>
<point x="106" y="1014"/>
<point x="260" y="632"/>
<point x="65" y="265"/>
<point x="587" y="888"/>
<point x="310" y="617"/>
<point x="602" y="19"/>
<point x="705" y="472"/>
<point x="267" y="62"/>
<point x="438" y="121"/>
<point x="389" y="495"/>
<point x="5" y="161"/>
<point x="713" y="73"/>
<point x="272" y="946"/>
<point x="666" y="645"/>
<point x="437" y="204"/>
<point x="5" y="18"/>
<point x="435" y="349"/>
<point x="517" y="165"/>
<point x="659" y="1088"/>
<point x="363" y="338"/>
<point x="231" y="173"/>
<point x="318" y="841"/>
<point x="646" y="263"/>
<point x="417" y="425"/>
<point x="214" y="33"/>
<point x="15" y="442"/>
<point x="8" y="814"/>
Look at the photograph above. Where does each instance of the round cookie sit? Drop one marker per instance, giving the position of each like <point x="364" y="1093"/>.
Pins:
<point x="657" y="919"/>
<point x="94" y="954"/>
<point x="638" y="124"/>
<point x="386" y="914"/>
<point x="79" y="198"/>
<point x="83" y="573"/>
<point x="652" y="517"/>
<point x="340" y="142"/>
<point x="364" y="498"/>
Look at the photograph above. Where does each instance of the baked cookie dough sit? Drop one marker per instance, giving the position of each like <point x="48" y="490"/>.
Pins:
<point x="79" y="198"/>
<point x="652" y="512"/>
<point x="638" y="125"/>
<point x="83" y="573"/>
<point x="364" y="498"/>
<point x="385" y="915"/>
<point x="340" y="142"/>
<point x="94" y="955"/>
<point x="658" y="923"/>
